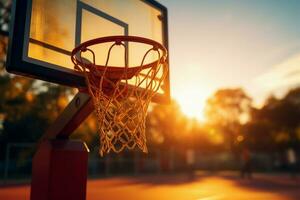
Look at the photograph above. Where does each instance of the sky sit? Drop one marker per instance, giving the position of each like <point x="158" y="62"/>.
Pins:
<point x="253" y="44"/>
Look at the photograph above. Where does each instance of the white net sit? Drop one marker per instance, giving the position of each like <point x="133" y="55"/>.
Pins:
<point x="121" y="106"/>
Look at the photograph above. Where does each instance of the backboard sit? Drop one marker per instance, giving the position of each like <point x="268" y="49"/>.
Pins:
<point x="43" y="33"/>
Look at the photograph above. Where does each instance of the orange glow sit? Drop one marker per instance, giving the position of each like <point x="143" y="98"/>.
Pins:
<point x="192" y="101"/>
<point x="62" y="102"/>
<point x="29" y="96"/>
<point x="206" y="188"/>
<point x="240" y="138"/>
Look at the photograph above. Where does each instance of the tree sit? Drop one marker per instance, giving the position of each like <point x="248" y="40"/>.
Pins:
<point x="165" y="124"/>
<point x="227" y="110"/>
<point x="28" y="107"/>
<point x="259" y="136"/>
<point x="283" y="117"/>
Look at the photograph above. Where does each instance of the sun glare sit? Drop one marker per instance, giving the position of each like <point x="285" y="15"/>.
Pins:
<point x="192" y="103"/>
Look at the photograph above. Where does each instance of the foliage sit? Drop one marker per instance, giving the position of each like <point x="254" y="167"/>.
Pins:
<point x="28" y="107"/>
<point x="226" y="111"/>
<point x="280" y="119"/>
<point x="169" y="128"/>
<point x="164" y="123"/>
<point x="227" y="107"/>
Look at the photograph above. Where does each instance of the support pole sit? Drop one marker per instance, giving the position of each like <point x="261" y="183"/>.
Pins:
<point x="59" y="168"/>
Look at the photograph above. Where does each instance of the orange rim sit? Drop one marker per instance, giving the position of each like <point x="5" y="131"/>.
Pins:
<point x="118" y="39"/>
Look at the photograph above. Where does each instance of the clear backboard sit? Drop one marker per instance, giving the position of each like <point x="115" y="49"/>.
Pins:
<point x="43" y="33"/>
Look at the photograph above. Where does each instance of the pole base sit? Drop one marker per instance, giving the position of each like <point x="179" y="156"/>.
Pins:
<point x="59" y="170"/>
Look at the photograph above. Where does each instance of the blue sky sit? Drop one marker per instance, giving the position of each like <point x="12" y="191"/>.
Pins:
<point x="254" y="44"/>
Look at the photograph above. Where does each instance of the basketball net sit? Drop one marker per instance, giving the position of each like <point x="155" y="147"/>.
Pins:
<point x="121" y="105"/>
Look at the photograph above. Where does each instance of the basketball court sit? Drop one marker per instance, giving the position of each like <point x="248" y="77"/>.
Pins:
<point x="115" y="53"/>
<point x="179" y="187"/>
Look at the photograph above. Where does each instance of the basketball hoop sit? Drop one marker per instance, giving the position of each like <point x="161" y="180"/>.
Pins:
<point x="121" y="95"/>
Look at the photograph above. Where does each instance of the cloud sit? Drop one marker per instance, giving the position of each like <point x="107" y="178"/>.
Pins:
<point x="281" y="76"/>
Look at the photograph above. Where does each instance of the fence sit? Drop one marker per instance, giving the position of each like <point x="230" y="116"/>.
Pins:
<point x="18" y="160"/>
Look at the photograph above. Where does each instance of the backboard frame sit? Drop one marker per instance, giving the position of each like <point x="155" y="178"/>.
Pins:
<point x="19" y="64"/>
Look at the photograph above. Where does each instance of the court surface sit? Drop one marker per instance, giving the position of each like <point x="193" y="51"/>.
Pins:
<point x="181" y="187"/>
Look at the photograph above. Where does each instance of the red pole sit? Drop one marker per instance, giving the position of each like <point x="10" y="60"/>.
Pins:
<point x="59" y="167"/>
<point x="59" y="170"/>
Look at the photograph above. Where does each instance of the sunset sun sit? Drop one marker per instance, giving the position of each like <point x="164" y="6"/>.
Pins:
<point x="192" y="103"/>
